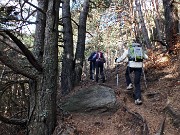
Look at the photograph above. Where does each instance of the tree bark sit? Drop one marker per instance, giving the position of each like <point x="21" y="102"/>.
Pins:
<point x="171" y="23"/>
<point x="143" y="26"/>
<point x="16" y="65"/>
<point x="38" y="53"/>
<point x="25" y="50"/>
<point x="38" y="47"/>
<point x="79" y="56"/>
<point x="68" y="65"/>
<point x="156" y="20"/>
<point x="42" y="117"/>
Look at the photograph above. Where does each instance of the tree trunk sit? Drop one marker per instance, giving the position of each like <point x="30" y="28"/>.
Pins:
<point x="42" y="117"/>
<point x="38" y="53"/>
<point x="156" y="21"/>
<point x="79" y="56"/>
<point x="171" y="23"/>
<point x="143" y="27"/>
<point x="67" y="74"/>
<point x="38" y="47"/>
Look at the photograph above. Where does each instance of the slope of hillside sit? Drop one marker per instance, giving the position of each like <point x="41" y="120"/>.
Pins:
<point x="159" y="113"/>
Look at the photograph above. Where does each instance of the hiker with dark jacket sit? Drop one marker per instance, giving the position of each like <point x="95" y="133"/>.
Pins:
<point x="92" y="65"/>
<point x="99" y="64"/>
<point x="135" y="56"/>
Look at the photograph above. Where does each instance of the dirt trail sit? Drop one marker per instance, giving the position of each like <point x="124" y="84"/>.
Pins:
<point x="155" y="99"/>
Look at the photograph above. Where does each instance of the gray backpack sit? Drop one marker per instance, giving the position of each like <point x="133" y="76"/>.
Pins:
<point x="135" y="53"/>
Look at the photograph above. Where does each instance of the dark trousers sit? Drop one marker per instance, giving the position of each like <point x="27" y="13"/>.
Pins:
<point x="100" y="69"/>
<point x="92" y="69"/>
<point x="137" y="78"/>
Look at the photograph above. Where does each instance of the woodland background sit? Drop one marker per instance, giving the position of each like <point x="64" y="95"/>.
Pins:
<point x="44" y="46"/>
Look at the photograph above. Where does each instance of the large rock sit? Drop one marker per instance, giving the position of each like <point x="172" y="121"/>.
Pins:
<point x="96" y="98"/>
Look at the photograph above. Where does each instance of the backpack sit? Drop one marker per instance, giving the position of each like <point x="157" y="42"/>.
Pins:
<point x="91" y="57"/>
<point x="135" y="53"/>
<point x="99" y="57"/>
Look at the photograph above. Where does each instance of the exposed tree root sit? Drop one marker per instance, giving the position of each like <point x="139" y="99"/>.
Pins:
<point x="174" y="115"/>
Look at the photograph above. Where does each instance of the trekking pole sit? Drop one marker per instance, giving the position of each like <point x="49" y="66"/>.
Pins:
<point x="145" y="82"/>
<point x="105" y="74"/>
<point x="117" y="75"/>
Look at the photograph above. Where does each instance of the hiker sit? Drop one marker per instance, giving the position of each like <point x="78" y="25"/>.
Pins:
<point x="99" y="64"/>
<point x="92" y="65"/>
<point x="135" y="55"/>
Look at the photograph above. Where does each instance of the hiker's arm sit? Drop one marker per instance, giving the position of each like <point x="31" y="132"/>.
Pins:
<point x="145" y="56"/>
<point x="94" y="57"/>
<point x="89" y="59"/>
<point x="91" y="56"/>
<point x="104" y="59"/>
<point x="120" y="59"/>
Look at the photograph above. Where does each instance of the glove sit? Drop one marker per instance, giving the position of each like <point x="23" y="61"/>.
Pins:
<point x="116" y="59"/>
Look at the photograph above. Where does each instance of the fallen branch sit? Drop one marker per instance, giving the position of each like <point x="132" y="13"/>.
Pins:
<point x="174" y="115"/>
<point x="13" y="121"/>
<point x="145" y="129"/>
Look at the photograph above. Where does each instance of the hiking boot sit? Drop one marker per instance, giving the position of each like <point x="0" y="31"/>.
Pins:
<point x="103" y="80"/>
<point x="138" y="102"/>
<point x="97" y="80"/>
<point x="92" y="77"/>
<point x="130" y="86"/>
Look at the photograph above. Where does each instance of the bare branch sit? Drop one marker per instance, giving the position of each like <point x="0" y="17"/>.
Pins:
<point x="9" y="83"/>
<point x="17" y="66"/>
<point x="35" y="6"/>
<point x="71" y="20"/>
<point x="4" y="39"/>
<point x="13" y="121"/>
<point x="25" y="50"/>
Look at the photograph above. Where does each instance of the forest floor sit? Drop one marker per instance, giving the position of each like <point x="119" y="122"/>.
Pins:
<point x="160" y="110"/>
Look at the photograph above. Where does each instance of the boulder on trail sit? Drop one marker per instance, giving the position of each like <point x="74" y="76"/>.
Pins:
<point x="94" y="99"/>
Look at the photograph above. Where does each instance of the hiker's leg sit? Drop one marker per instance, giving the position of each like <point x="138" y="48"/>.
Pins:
<point x="127" y="75"/>
<point x="137" y="78"/>
<point x="93" y="66"/>
<point x="91" y="70"/>
<point x="102" y="72"/>
<point x="97" y="71"/>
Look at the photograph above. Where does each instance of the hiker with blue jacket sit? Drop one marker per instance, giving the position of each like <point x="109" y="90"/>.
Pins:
<point x="99" y="64"/>
<point x="92" y="65"/>
<point x="135" y="55"/>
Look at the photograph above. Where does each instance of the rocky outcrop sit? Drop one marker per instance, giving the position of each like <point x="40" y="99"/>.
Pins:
<point x="96" y="99"/>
